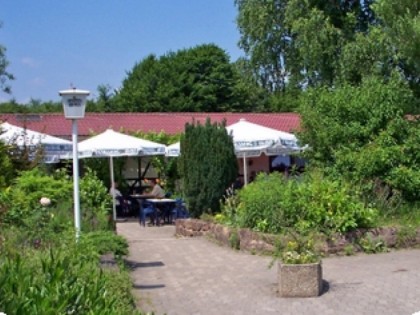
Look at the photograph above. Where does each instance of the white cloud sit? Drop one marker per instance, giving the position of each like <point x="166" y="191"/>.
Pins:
<point x="37" y="82"/>
<point x="30" y="62"/>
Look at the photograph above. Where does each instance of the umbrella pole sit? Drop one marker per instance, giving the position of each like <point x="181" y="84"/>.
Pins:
<point x="111" y="170"/>
<point x="245" y="171"/>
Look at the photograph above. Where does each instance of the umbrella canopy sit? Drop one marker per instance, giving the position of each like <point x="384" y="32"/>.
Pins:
<point x="173" y="150"/>
<point x="115" y="144"/>
<point x="251" y="140"/>
<point x="53" y="148"/>
<point x="112" y="144"/>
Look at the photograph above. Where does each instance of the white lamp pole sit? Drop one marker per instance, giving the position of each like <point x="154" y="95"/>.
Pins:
<point x="74" y="104"/>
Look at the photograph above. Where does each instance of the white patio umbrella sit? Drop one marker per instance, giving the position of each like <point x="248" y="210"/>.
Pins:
<point x="173" y="150"/>
<point x="115" y="144"/>
<point x="54" y="148"/>
<point x="251" y="140"/>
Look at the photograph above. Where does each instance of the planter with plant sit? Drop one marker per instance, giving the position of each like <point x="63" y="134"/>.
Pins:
<point x="299" y="267"/>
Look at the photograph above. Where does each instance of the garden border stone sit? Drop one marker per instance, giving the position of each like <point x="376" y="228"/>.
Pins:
<point x="261" y="243"/>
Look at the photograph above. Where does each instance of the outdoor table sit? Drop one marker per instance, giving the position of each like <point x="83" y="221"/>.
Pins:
<point x="139" y="197"/>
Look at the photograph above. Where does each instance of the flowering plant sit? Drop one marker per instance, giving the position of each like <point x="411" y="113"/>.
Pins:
<point x="296" y="249"/>
<point x="299" y="253"/>
<point x="44" y="201"/>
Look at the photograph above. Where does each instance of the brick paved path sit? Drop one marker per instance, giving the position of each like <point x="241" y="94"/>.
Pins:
<point x="195" y="276"/>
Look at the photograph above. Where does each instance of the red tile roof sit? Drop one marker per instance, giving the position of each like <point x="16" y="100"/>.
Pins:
<point x="55" y="124"/>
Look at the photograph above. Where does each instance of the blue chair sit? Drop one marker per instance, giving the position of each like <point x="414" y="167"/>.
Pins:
<point x="180" y="211"/>
<point x="147" y="209"/>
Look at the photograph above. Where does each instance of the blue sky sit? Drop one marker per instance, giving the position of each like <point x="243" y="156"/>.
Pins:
<point x="52" y="44"/>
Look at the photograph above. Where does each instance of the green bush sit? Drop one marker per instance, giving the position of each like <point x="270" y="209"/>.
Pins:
<point x="106" y="242"/>
<point x="6" y="166"/>
<point x="95" y="203"/>
<point x="361" y="133"/>
<point x="229" y="208"/>
<point x="260" y="202"/>
<point x="42" y="269"/>
<point x="21" y="202"/>
<point x="23" y="197"/>
<point x="273" y="203"/>
<point x="61" y="282"/>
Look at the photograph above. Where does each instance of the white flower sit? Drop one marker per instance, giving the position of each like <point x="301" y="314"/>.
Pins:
<point x="44" y="202"/>
<point x="416" y="313"/>
<point x="1" y="313"/>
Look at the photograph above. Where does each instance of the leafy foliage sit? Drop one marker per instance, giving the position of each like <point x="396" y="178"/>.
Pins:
<point x="273" y="204"/>
<point x="198" y="79"/>
<point x="105" y="242"/>
<point x="23" y="208"/>
<point x="294" y="42"/>
<point x="299" y="251"/>
<point x="42" y="269"/>
<point x="24" y="195"/>
<point x="95" y="202"/>
<point x="362" y="134"/>
<point x="6" y="175"/>
<point x="371" y="244"/>
<point x="4" y="75"/>
<point x="63" y="280"/>
<point x="400" y="21"/>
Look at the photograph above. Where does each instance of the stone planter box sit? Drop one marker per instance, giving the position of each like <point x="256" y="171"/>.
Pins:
<point x="300" y="280"/>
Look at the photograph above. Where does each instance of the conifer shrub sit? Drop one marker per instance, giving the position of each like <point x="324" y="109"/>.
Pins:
<point x="207" y="166"/>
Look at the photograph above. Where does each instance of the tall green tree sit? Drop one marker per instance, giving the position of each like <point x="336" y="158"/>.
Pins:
<point x="4" y="75"/>
<point x="33" y="106"/>
<point x="265" y="38"/>
<point x="199" y="79"/>
<point x="207" y="166"/>
<point x="249" y="96"/>
<point x="104" y="101"/>
<point x="298" y="42"/>
<point x="400" y="22"/>
<point x="12" y="107"/>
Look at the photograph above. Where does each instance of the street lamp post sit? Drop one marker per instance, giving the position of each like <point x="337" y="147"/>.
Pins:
<point x="74" y="104"/>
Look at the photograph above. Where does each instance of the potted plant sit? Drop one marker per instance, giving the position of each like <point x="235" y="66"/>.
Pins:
<point x="299" y="267"/>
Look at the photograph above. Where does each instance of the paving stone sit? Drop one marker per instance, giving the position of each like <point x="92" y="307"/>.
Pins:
<point x="182" y="276"/>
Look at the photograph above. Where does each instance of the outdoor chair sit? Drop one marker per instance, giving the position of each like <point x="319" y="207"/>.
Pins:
<point x="148" y="209"/>
<point x="180" y="211"/>
<point x="123" y="209"/>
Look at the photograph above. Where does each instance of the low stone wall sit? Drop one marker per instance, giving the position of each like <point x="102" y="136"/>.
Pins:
<point x="260" y="243"/>
<point x="248" y="240"/>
